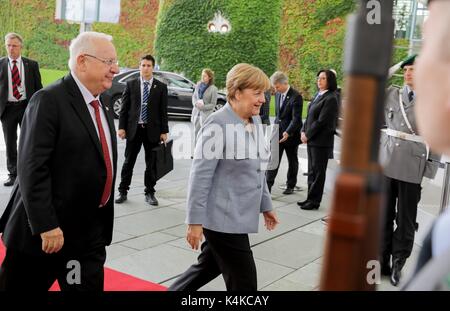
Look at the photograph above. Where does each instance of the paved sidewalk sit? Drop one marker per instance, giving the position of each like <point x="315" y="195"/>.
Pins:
<point x="149" y="242"/>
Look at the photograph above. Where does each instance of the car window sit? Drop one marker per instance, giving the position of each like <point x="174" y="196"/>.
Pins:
<point x="130" y="77"/>
<point x="176" y="81"/>
<point x="160" y="78"/>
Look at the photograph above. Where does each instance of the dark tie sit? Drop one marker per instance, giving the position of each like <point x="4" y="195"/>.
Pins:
<point x="411" y="96"/>
<point x="15" y="80"/>
<point x="144" y="108"/>
<point x="109" y="173"/>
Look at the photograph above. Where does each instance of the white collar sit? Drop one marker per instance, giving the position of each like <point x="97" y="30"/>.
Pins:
<point x="149" y="81"/>
<point x="18" y="59"/>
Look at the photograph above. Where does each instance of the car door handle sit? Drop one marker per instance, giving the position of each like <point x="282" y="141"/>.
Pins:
<point x="173" y="94"/>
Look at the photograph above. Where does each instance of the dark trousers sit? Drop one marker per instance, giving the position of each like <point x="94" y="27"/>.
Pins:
<point x="11" y="119"/>
<point x="131" y="152"/>
<point x="292" y="155"/>
<point x="222" y="253"/>
<point x="402" y="199"/>
<point x="24" y="272"/>
<point x="317" y="168"/>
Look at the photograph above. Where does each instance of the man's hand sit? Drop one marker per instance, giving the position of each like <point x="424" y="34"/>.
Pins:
<point x="52" y="241"/>
<point x="270" y="220"/>
<point x="122" y="134"/>
<point x="303" y="138"/>
<point x="163" y="137"/>
<point x="284" y="138"/>
<point x="194" y="235"/>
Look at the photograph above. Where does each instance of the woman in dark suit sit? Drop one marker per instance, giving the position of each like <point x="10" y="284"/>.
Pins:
<point x="318" y="133"/>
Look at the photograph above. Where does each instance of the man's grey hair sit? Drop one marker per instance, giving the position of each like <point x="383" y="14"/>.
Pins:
<point x="13" y="35"/>
<point x="85" y="43"/>
<point x="279" y="77"/>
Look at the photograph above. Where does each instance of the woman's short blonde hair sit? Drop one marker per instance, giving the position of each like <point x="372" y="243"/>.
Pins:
<point x="244" y="76"/>
<point x="210" y="75"/>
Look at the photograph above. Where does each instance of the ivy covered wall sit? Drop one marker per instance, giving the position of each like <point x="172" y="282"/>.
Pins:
<point x="183" y="43"/>
<point x="312" y="38"/>
<point x="47" y="40"/>
<point x="296" y="36"/>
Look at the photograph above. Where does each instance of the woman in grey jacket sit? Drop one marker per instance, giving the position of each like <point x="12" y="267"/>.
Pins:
<point x="204" y="100"/>
<point x="227" y="187"/>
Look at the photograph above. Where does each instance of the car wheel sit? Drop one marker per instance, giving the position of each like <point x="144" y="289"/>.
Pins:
<point x="117" y="105"/>
<point x="220" y="104"/>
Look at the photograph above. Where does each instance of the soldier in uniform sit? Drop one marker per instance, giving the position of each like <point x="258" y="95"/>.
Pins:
<point x="404" y="154"/>
<point x="432" y="79"/>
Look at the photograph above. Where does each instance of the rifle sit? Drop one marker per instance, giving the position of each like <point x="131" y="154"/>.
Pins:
<point x="354" y="224"/>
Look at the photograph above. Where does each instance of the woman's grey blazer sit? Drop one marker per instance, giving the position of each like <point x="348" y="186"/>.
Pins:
<point x="209" y="99"/>
<point x="227" y="192"/>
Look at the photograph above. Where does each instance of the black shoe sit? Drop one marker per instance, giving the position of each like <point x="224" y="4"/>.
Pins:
<point x="310" y="206"/>
<point x="397" y="265"/>
<point x="121" y="198"/>
<point x="10" y="181"/>
<point x="151" y="199"/>
<point x="288" y="191"/>
<point x="301" y="203"/>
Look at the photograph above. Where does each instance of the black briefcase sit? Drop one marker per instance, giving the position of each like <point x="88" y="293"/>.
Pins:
<point x="162" y="159"/>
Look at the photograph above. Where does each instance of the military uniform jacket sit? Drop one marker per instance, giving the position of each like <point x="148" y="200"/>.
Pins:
<point x="403" y="159"/>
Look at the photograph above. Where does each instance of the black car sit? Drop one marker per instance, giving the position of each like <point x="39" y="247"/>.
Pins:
<point x="179" y="89"/>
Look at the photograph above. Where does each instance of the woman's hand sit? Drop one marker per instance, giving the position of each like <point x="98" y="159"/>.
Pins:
<point x="270" y="220"/>
<point x="194" y="235"/>
<point x="200" y="104"/>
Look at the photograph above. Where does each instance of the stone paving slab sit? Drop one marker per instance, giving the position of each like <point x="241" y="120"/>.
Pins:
<point x="149" y="221"/>
<point x="119" y="237"/>
<point x="148" y="240"/>
<point x="294" y="249"/>
<point x="156" y="264"/>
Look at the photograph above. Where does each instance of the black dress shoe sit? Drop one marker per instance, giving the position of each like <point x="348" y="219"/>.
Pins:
<point x="151" y="199"/>
<point x="288" y="191"/>
<point x="301" y="203"/>
<point x="121" y="198"/>
<point x="309" y="206"/>
<point x="397" y="265"/>
<point x="10" y="181"/>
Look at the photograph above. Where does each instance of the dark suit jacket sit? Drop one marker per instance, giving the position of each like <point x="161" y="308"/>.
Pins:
<point x="320" y="123"/>
<point x="264" y="111"/>
<point x="289" y="117"/>
<point x="61" y="174"/>
<point x="157" y="110"/>
<point x="32" y="80"/>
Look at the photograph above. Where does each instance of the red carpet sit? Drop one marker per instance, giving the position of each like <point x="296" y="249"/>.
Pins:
<point x="114" y="280"/>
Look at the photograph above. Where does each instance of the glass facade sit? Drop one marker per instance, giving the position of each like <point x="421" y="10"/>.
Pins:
<point x="409" y="17"/>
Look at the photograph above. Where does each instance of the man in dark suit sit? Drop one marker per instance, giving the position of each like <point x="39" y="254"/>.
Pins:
<point x="264" y="111"/>
<point x="60" y="216"/>
<point x="288" y="110"/>
<point x="143" y="121"/>
<point x="19" y="80"/>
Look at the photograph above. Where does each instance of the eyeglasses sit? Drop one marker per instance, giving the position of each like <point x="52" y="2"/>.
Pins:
<point x="108" y="62"/>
